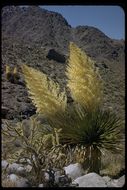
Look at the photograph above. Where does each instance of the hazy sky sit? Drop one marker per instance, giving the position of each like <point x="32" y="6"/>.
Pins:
<point x="109" y="19"/>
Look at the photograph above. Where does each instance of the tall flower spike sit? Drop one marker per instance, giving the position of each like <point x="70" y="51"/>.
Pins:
<point x="44" y="92"/>
<point x="83" y="80"/>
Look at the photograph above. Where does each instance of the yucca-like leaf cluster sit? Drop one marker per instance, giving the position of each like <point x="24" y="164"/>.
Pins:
<point x="98" y="128"/>
<point x="93" y="133"/>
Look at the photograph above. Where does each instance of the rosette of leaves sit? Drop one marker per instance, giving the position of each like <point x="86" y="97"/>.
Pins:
<point x="89" y="134"/>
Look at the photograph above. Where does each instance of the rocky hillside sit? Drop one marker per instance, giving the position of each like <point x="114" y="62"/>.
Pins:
<point x="40" y="38"/>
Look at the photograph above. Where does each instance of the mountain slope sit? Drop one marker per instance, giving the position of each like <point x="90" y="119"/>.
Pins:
<point x="29" y="33"/>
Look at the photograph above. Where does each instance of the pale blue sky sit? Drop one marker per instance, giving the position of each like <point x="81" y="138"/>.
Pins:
<point x="109" y="19"/>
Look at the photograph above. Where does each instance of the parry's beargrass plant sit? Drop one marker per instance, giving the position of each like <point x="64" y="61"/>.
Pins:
<point x="86" y="124"/>
<point x="77" y="133"/>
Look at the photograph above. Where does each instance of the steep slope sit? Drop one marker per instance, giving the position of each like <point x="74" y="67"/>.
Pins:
<point x="36" y="25"/>
<point x="97" y="44"/>
<point x="29" y="33"/>
<point x="50" y="29"/>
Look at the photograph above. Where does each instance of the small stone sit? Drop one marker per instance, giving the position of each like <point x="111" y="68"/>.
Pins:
<point x="13" y="167"/>
<point x="57" y="175"/>
<point x="46" y="176"/>
<point x="28" y="168"/>
<point x="21" y="170"/>
<point x="107" y="179"/>
<point x="4" y="164"/>
<point x="74" y="170"/>
<point x="41" y="185"/>
<point x="91" y="180"/>
<point x="23" y="182"/>
<point x="13" y="177"/>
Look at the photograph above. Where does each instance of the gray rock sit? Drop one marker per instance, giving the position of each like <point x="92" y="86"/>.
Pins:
<point x="46" y="176"/>
<point x="4" y="164"/>
<point x="41" y="185"/>
<point x="28" y="168"/>
<point x="13" y="177"/>
<point x="121" y="181"/>
<point x="117" y="182"/>
<point x="20" y="170"/>
<point x="19" y="181"/>
<point x="23" y="182"/>
<point x="74" y="170"/>
<point x="91" y="180"/>
<point x="57" y="175"/>
<point x="13" y="168"/>
<point x="107" y="179"/>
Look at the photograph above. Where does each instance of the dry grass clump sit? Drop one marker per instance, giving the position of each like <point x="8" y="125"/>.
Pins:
<point x="8" y="183"/>
<point x="113" y="165"/>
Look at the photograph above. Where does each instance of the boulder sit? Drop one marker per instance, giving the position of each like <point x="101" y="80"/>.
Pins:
<point x="74" y="170"/>
<point x="117" y="182"/>
<point x="56" y="56"/>
<point x="91" y="180"/>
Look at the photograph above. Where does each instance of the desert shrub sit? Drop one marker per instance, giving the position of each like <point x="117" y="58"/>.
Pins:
<point x="8" y="183"/>
<point x="12" y="76"/>
<point x="113" y="165"/>
<point x="8" y="73"/>
<point x="15" y="75"/>
<point x="29" y="142"/>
